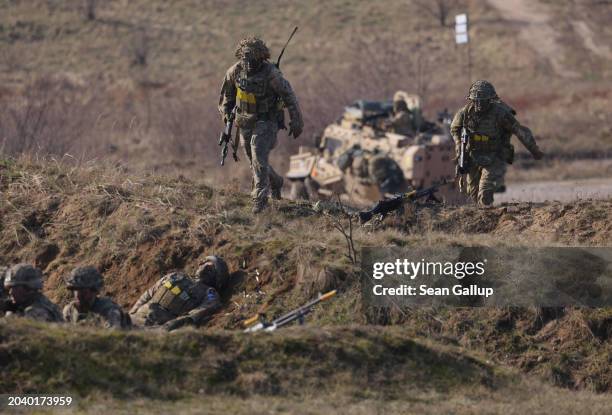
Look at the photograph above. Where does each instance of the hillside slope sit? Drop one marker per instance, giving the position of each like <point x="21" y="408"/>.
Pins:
<point x="137" y="228"/>
<point x="140" y="79"/>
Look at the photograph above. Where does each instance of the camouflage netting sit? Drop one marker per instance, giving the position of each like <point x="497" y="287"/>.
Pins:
<point x="256" y="45"/>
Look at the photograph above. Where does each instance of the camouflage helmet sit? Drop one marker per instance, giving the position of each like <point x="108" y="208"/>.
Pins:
<point x="258" y="46"/>
<point x="84" y="277"/>
<point x="221" y="270"/>
<point x="482" y="90"/>
<point x="25" y="275"/>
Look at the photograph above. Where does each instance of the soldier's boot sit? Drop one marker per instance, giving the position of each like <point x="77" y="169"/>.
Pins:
<point x="491" y="177"/>
<point x="485" y="198"/>
<point x="259" y="205"/>
<point x="276" y="187"/>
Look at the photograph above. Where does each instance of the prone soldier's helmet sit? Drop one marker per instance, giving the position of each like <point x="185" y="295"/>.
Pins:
<point x="252" y="52"/>
<point x="84" y="277"/>
<point x="221" y="274"/>
<point x="482" y="90"/>
<point x="25" y="275"/>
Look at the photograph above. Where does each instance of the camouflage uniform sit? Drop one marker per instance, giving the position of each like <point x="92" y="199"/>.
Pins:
<point x="176" y="299"/>
<point x="3" y="294"/>
<point x="402" y="121"/>
<point x="104" y="311"/>
<point x="489" y="124"/>
<point x="257" y="90"/>
<point x="36" y="306"/>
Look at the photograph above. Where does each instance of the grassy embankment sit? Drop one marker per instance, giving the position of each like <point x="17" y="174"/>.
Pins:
<point x="136" y="228"/>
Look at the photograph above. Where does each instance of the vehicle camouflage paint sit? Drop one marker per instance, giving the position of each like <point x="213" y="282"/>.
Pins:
<point x="359" y="158"/>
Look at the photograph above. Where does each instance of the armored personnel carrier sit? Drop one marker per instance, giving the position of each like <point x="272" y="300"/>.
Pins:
<point x="362" y="159"/>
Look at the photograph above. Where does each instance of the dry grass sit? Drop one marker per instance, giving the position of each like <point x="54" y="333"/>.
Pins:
<point x="342" y="370"/>
<point x="344" y="50"/>
<point x="59" y="214"/>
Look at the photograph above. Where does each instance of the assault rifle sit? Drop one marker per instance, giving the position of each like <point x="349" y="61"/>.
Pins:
<point x="195" y="319"/>
<point x="226" y="137"/>
<point x="297" y="314"/>
<point x="386" y="206"/>
<point x="373" y="117"/>
<point x="462" y="161"/>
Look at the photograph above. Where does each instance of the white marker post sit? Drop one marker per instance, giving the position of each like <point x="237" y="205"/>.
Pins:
<point x="462" y="37"/>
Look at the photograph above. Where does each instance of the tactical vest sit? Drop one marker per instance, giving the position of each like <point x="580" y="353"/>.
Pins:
<point x="179" y="294"/>
<point x="486" y="135"/>
<point x="254" y="95"/>
<point x="42" y="302"/>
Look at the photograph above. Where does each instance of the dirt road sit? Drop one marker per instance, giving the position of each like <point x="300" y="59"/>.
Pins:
<point x="535" y="30"/>
<point x="563" y="191"/>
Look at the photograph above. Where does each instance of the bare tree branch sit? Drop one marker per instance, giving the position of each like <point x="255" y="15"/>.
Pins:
<point x="337" y="223"/>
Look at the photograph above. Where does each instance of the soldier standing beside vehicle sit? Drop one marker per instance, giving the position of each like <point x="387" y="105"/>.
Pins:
<point x="86" y="283"/>
<point x="24" y="284"/>
<point x="489" y="124"/>
<point x="177" y="300"/>
<point x="256" y="91"/>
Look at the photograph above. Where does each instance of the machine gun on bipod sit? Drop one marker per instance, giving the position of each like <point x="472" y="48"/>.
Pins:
<point x="386" y="206"/>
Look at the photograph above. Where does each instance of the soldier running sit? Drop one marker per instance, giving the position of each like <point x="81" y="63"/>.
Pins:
<point x="490" y="125"/>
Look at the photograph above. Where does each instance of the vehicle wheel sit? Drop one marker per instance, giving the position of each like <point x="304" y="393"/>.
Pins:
<point x="312" y="189"/>
<point x="298" y="190"/>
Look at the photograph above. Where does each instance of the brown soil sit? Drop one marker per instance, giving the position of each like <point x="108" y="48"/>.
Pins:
<point x="135" y="229"/>
<point x="583" y="222"/>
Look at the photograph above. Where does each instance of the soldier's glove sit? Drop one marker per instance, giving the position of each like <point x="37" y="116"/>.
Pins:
<point x="537" y="154"/>
<point x="296" y="125"/>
